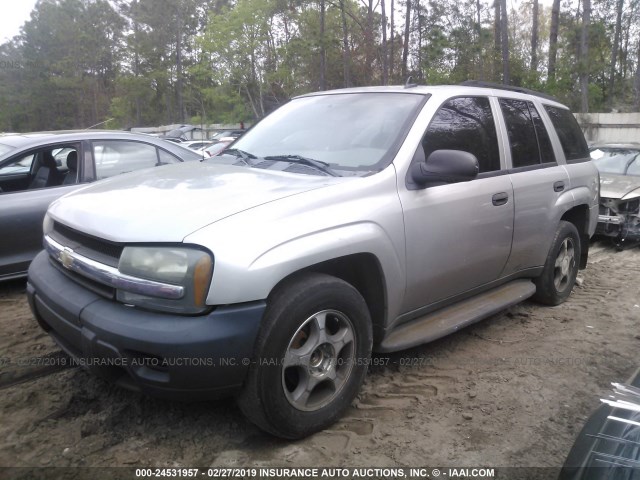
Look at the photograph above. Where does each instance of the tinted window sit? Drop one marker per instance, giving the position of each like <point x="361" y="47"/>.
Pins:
<point x="571" y="138"/>
<point x="116" y="157"/>
<point x="522" y="134"/>
<point x="544" y="143"/>
<point x="465" y="124"/>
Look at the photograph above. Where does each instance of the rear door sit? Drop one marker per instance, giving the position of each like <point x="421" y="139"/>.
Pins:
<point x="538" y="183"/>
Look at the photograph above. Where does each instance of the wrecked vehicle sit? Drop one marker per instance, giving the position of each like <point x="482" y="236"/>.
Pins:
<point x="346" y="221"/>
<point x="619" y="216"/>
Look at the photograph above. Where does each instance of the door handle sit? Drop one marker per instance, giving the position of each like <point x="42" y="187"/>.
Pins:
<point x="558" y="186"/>
<point x="500" y="198"/>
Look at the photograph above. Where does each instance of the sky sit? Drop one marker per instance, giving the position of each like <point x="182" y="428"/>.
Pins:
<point x="13" y="14"/>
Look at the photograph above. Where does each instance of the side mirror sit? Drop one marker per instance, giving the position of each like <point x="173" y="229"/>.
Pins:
<point x="445" y="166"/>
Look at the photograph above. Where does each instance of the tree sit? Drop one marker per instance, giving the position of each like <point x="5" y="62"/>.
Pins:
<point x="346" y="54"/>
<point x="637" y="79"/>
<point x="504" y="40"/>
<point x="406" y="38"/>
<point x="614" y="52"/>
<point x="323" y="52"/>
<point x="534" y="38"/>
<point x="553" y="39"/>
<point x="385" y="56"/>
<point x="584" y="56"/>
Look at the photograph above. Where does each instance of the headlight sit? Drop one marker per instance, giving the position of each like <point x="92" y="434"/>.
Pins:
<point x="187" y="267"/>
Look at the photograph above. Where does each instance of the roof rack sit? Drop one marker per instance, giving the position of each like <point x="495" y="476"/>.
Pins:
<point x="511" y="88"/>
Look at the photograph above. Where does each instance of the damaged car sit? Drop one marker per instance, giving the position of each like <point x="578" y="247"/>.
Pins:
<point x="619" y="215"/>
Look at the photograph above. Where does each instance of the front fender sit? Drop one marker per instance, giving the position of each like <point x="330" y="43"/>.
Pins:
<point x="233" y="285"/>
<point x="258" y="248"/>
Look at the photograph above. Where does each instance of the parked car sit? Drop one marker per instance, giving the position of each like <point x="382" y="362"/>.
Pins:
<point x="197" y="144"/>
<point x="37" y="168"/>
<point x="619" y="166"/>
<point x="183" y="133"/>
<point x="370" y="218"/>
<point x="608" y="447"/>
<point x="227" y="133"/>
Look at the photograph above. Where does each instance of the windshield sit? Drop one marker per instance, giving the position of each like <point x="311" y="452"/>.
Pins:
<point x="357" y="132"/>
<point x="618" y="161"/>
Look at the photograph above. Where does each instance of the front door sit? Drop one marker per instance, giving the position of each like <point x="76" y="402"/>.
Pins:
<point x="458" y="235"/>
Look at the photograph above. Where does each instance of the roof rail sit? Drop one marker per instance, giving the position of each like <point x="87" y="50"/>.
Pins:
<point x="499" y="86"/>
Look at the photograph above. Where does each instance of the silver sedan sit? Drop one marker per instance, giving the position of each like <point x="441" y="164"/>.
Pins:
<point x="37" y="168"/>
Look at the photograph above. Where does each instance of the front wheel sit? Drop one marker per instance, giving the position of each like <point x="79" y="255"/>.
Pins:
<point x="311" y="356"/>
<point x="556" y="281"/>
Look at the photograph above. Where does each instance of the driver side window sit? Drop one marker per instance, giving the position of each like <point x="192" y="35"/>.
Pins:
<point x="52" y="166"/>
<point x="465" y="123"/>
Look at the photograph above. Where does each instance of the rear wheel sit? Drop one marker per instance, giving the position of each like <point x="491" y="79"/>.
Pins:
<point x="311" y="356"/>
<point x="558" y="277"/>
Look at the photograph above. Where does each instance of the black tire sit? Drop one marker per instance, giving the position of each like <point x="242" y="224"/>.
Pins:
<point x="558" y="277"/>
<point x="271" y="395"/>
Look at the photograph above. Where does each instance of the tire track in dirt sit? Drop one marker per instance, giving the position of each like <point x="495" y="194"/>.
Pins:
<point x="499" y="392"/>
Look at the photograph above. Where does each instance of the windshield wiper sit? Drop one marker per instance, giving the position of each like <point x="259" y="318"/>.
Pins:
<point x="317" y="164"/>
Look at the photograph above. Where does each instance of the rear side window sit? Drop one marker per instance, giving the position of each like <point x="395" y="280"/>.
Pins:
<point x="571" y="138"/>
<point x="528" y="137"/>
<point x="465" y="123"/>
<point x="114" y="157"/>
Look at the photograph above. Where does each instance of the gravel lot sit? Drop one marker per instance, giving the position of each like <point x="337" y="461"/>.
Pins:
<point x="512" y="390"/>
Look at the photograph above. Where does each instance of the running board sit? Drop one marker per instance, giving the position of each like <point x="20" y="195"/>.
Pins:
<point x="450" y="319"/>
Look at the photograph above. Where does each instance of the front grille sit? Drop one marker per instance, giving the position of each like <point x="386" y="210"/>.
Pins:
<point x="96" y="287"/>
<point x="88" y="246"/>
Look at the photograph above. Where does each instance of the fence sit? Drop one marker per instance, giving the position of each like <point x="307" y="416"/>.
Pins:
<point x="200" y="132"/>
<point x="610" y="127"/>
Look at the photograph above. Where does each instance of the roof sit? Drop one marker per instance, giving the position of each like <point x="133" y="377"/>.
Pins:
<point x="448" y="90"/>
<point x="37" y="139"/>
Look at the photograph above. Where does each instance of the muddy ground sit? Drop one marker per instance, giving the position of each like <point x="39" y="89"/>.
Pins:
<point x="512" y="390"/>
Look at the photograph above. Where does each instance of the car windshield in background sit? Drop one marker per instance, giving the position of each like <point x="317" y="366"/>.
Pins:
<point x="618" y="161"/>
<point x="355" y="133"/>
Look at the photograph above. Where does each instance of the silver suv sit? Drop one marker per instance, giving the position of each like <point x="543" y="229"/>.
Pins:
<point x="344" y="222"/>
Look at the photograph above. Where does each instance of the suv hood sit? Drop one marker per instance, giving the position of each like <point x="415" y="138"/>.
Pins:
<point x="618" y="186"/>
<point x="168" y="203"/>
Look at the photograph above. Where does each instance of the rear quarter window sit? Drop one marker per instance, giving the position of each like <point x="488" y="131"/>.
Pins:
<point x="571" y="138"/>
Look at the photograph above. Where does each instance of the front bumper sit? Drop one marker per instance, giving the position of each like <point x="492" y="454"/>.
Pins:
<point x="170" y="356"/>
<point x="619" y="219"/>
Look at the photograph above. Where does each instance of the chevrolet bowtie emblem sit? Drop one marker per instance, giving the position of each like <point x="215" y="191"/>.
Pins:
<point x="66" y="258"/>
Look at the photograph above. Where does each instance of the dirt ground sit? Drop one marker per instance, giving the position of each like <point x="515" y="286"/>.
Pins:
<point x="512" y="390"/>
